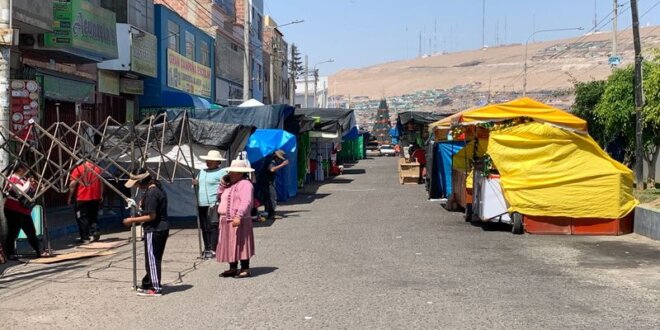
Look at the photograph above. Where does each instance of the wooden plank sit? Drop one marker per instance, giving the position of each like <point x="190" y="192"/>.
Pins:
<point x="72" y="256"/>
<point x="103" y="245"/>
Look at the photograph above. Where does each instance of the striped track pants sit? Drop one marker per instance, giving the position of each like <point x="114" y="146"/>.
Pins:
<point x="154" y="246"/>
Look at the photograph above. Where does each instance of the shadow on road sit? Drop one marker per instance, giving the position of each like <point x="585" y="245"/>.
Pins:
<point x="354" y="171"/>
<point x="177" y="288"/>
<point x="258" y="271"/>
<point x="491" y="226"/>
<point x="8" y="278"/>
<point x="304" y="199"/>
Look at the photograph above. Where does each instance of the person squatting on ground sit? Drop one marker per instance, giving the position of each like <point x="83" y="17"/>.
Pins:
<point x="236" y="232"/>
<point x="88" y="190"/>
<point x="265" y="187"/>
<point x="207" y="182"/>
<point x="18" y="215"/>
<point x="152" y="214"/>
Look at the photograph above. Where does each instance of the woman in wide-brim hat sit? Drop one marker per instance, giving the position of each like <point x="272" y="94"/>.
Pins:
<point x="207" y="182"/>
<point x="236" y="242"/>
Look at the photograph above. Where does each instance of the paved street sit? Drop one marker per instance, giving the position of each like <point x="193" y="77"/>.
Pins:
<point x="360" y="251"/>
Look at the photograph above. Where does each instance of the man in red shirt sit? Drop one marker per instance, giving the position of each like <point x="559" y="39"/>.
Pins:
<point x="88" y="189"/>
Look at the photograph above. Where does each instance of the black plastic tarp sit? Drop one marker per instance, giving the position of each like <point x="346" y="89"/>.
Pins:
<point x="267" y="116"/>
<point x="330" y="120"/>
<point x="419" y="117"/>
<point x="231" y="138"/>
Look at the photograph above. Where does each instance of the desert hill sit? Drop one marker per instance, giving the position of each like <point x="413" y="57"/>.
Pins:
<point x="461" y="79"/>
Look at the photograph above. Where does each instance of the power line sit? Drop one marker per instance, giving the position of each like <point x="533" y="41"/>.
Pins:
<point x="581" y="39"/>
<point x="618" y="33"/>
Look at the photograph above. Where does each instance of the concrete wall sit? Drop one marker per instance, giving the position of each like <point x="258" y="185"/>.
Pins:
<point x="33" y="16"/>
<point x="647" y="222"/>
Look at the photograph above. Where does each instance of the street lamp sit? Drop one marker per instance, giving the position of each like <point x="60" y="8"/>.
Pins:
<point x="527" y="42"/>
<point x="316" y="76"/>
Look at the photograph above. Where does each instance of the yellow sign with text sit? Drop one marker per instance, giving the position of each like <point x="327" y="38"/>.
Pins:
<point x="187" y="75"/>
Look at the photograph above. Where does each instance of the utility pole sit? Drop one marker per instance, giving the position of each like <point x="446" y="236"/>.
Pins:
<point x="246" y="44"/>
<point x="483" y="25"/>
<point x="614" y="27"/>
<point x="595" y="16"/>
<point x="420" y="44"/>
<point x="292" y="75"/>
<point x="272" y="68"/>
<point x="306" y="87"/>
<point x="316" y="81"/>
<point x="5" y="51"/>
<point x="639" y="98"/>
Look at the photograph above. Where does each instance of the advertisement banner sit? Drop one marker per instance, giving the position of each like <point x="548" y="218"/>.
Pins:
<point x="143" y="54"/>
<point x="25" y="101"/>
<point x="81" y="25"/>
<point x="187" y="75"/>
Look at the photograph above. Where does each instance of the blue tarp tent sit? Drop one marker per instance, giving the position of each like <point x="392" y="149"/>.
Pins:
<point x="264" y="142"/>
<point x="394" y="135"/>
<point x="444" y="152"/>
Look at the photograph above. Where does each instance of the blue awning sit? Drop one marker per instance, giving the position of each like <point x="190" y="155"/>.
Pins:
<point x="184" y="100"/>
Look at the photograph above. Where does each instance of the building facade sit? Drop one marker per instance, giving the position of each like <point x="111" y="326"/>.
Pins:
<point x="120" y="81"/>
<point x="185" y="63"/>
<point x="62" y="59"/>
<point x="276" y="64"/>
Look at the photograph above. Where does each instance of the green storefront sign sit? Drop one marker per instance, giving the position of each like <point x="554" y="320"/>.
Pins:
<point x="82" y="26"/>
<point x="68" y="90"/>
<point x="143" y="54"/>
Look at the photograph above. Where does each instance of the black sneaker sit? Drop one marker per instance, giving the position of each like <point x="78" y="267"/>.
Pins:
<point x="96" y="237"/>
<point x="83" y="241"/>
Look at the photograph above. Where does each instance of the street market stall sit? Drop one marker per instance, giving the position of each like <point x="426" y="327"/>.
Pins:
<point x="534" y="166"/>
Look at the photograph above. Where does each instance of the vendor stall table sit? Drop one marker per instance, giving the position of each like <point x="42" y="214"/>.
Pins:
<point x="408" y="172"/>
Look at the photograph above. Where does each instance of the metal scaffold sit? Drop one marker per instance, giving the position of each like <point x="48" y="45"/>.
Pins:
<point x="51" y="153"/>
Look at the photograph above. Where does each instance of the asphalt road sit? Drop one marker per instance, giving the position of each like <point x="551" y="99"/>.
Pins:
<point x="359" y="252"/>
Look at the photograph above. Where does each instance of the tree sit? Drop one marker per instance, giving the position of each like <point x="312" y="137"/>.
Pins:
<point x="295" y="65"/>
<point x="587" y="96"/>
<point x="616" y="112"/>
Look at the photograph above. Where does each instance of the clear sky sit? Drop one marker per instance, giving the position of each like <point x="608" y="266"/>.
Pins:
<point x="359" y="33"/>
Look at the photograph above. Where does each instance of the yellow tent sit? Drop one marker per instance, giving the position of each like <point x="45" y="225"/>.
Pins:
<point x="548" y="171"/>
<point x="524" y="107"/>
<point x="462" y="160"/>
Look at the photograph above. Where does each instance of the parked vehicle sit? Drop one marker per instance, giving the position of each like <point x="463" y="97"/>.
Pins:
<point x="373" y="149"/>
<point x="387" y="150"/>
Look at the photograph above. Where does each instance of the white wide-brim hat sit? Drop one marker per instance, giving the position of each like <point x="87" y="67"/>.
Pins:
<point x="239" y="166"/>
<point x="213" y="155"/>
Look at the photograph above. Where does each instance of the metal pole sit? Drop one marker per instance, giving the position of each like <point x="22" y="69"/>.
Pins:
<point x="614" y="27"/>
<point x="272" y="76"/>
<point x="292" y="77"/>
<point x="5" y="72"/>
<point x="246" y="45"/>
<point x="527" y="42"/>
<point x="186" y="121"/>
<point x="306" y="87"/>
<point x="133" y="210"/>
<point x="639" y="99"/>
<point x="316" y="81"/>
